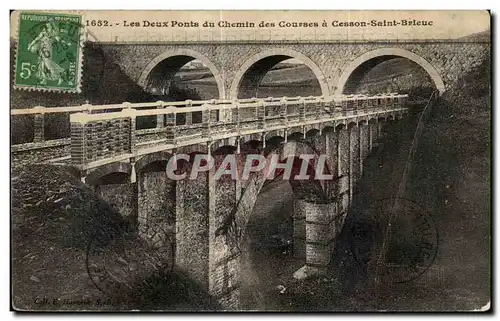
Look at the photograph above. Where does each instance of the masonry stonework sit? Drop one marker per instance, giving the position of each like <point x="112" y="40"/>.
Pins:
<point x="122" y="198"/>
<point x="210" y="215"/>
<point x="156" y="202"/>
<point x="206" y="218"/>
<point x="327" y="60"/>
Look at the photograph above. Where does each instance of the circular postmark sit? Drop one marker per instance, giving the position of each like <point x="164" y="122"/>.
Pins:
<point x="395" y="239"/>
<point x="121" y="260"/>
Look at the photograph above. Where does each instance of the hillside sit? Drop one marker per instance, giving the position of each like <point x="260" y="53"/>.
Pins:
<point x="478" y="36"/>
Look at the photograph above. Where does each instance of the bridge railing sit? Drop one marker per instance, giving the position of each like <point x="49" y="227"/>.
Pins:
<point x="98" y="138"/>
<point x="40" y="114"/>
<point x="192" y="115"/>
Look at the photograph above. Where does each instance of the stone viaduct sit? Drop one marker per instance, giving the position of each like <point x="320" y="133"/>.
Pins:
<point x="206" y="217"/>
<point x="238" y="67"/>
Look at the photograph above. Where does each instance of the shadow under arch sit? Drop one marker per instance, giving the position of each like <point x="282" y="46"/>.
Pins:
<point x="393" y="53"/>
<point x="281" y="54"/>
<point x="107" y="174"/>
<point x="256" y="182"/>
<point x="158" y="157"/>
<point x="185" y="55"/>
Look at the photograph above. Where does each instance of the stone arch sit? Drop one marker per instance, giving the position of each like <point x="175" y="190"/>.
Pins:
<point x="95" y="176"/>
<point x="183" y="52"/>
<point x="339" y="127"/>
<point x="252" y="145"/>
<point x="297" y="131"/>
<point x="224" y="150"/>
<point x="312" y="133"/>
<point x="341" y="122"/>
<point x="285" y="52"/>
<point x="249" y="196"/>
<point x="200" y="148"/>
<point x="148" y="159"/>
<point x="295" y="136"/>
<point x="352" y="124"/>
<point x="328" y="129"/>
<point x="396" y="52"/>
<point x="272" y="133"/>
<point x="275" y="140"/>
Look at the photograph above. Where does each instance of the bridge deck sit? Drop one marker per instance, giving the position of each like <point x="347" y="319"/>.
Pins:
<point x="103" y="135"/>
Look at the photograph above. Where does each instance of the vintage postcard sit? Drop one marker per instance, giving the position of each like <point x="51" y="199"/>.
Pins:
<point x="250" y="160"/>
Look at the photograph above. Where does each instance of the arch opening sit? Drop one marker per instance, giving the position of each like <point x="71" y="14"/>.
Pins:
<point x="186" y="69"/>
<point x="181" y="75"/>
<point x="278" y="73"/>
<point x="269" y="249"/>
<point x="114" y="173"/>
<point x="180" y="78"/>
<point x="390" y="70"/>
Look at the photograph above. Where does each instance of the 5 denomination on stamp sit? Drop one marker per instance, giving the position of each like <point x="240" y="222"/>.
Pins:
<point x="49" y="52"/>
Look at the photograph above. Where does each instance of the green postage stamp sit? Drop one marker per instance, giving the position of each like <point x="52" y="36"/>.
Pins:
<point x="49" y="52"/>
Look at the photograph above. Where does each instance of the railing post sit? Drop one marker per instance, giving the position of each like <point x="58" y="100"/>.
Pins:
<point x="39" y="126"/>
<point x="283" y="110"/>
<point x="205" y="116"/>
<point x="344" y="106"/>
<point x="160" y="119"/>
<point x="327" y="106"/>
<point x="170" y="122"/>
<point x="302" y="109"/>
<point x="215" y="115"/>
<point x="236" y="114"/>
<point x="189" y="115"/>
<point x="336" y="104"/>
<point x="363" y="104"/>
<point x="238" y="145"/>
<point x="256" y="109"/>
<point x="261" y="114"/>
<point x="133" y="173"/>
<point x="131" y="113"/>
<point x="88" y="107"/>
<point x="320" y="106"/>
<point x="78" y="138"/>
